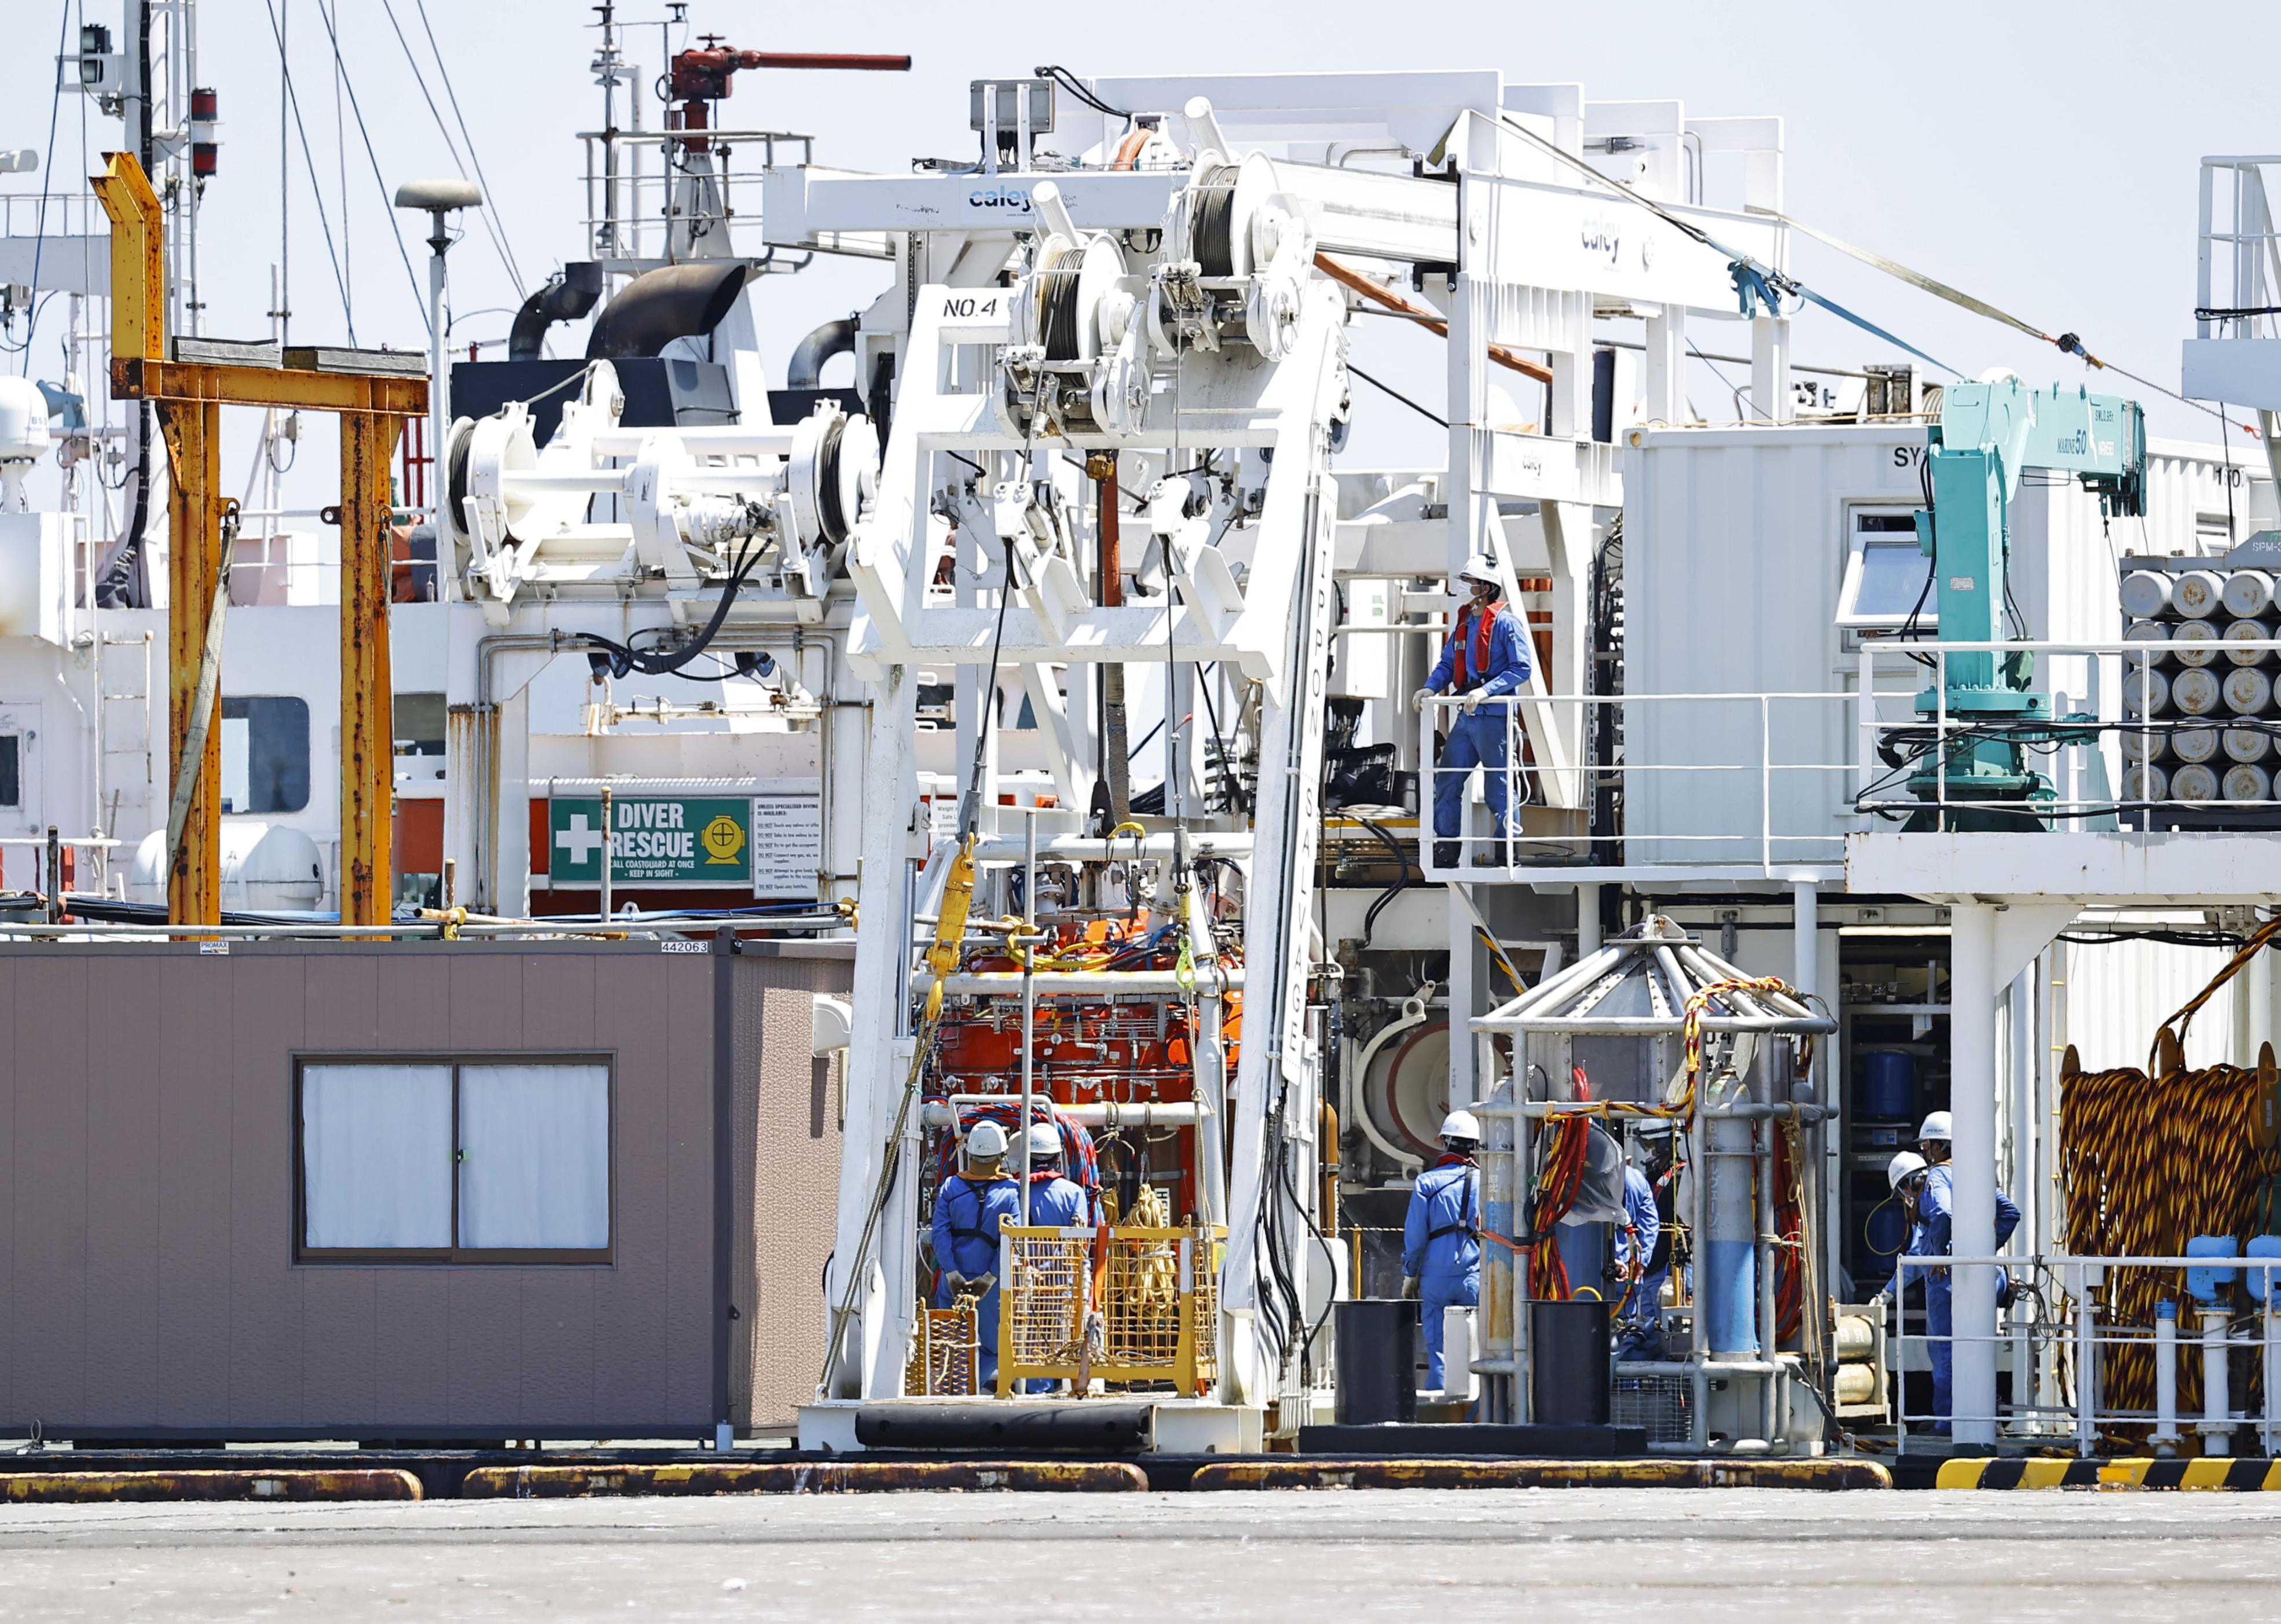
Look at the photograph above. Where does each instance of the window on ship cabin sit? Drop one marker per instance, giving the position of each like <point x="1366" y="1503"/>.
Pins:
<point x="264" y="754"/>
<point x="12" y="772"/>
<point x="1885" y="573"/>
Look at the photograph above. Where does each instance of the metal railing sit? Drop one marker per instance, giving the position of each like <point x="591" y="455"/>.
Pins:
<point x="2061" y="1350"/>
<point x="1770" y="783"/>
<point x="2238" y="271"/>
<point x="633" y="214"/>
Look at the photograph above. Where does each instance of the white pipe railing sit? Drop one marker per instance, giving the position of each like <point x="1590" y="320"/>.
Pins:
<point x="1760" y="814"/>
<point x="2068" y="1405"/>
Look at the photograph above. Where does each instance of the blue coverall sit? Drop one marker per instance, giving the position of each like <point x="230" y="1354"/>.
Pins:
<point x="1641" y="1314"/>
<point x="1058" y="1202"/>
<point x="967" y="1214"/>
<point x="1477" y="740"/>
<point x="1440" y="1248"/>
<point x="1928" y="1237"/>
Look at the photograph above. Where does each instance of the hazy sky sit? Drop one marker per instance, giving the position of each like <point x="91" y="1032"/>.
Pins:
<point x="2042" y="156"/>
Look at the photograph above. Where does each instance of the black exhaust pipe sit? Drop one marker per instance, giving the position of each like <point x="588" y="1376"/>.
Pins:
<point x="567" y="296"/>
<point x="680" y="301"/>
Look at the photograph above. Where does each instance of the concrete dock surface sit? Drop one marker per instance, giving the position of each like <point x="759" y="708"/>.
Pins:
<point x="1311" y="1556"/>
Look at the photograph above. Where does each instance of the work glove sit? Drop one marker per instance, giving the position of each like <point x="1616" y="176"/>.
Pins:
<point x="1417" y="700"/>
<point x="1472" y="702"/>
<point x="1878" y="1302"/>
<point x="1409" y="1286"/>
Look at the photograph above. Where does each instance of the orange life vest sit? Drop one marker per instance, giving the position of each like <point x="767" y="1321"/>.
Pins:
<point x="1473" y="665"/>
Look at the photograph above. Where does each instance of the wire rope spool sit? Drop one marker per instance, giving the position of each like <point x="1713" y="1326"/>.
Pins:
<point x="2248" y="691"/>
<point x="2150" y="632"/>
<point x="833" y="472"/>
<point x="2144" y="782"/>
<point x="2195" y="744"/>
<point x="2194" y="783"/>
<point x="2194" y="642"/>
<point x="2146" y="693"/>
<point x="2247" y="743"/>
<point x="2146" y="593"/>
<point x="2247" y="594"/>
<point x="1406" y="1090"/>
<point x="2198" y="594"/>
<point x="2248" y="631"/>
<point x="2245" y="782"/>
<point x="2196" y="692"/>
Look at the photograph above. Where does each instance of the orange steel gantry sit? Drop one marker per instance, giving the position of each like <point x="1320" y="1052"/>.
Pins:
<point x="189" y="397"/>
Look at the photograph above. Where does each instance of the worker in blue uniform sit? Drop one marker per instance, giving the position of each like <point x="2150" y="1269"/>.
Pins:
<point x="1640" y="1319"/>
<point x="1928" y="1194"/>
<point x="1055" y="1200"/>
<point x="1441" y="1237"/>
<point x="969" y="1207"/>
<point x="1485" y="658"/>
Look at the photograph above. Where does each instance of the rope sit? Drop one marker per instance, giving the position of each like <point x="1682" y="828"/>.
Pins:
<point x="2149" y="1160"/>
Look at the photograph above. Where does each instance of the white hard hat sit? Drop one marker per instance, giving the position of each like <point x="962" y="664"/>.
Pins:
<point x="1902" y="1166"/>
<point x="1481" y="566"/>
<point x="1045" y="1141"/>
<point x="1461" y="1125"/>
<point x="1937" y="1126"/>
<point x="985" y="1142"/>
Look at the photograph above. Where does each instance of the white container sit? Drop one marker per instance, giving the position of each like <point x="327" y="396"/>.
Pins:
<point x="2146" y="631"/>
<point x="2247" y="743"/>
<point x="2194" y="783"/>
<point x="2244" y="783"/>
<point x="2146" y="781"/>
<point x="2196" y="692"/>
<point x="2248" y="691"/>
<point x="2249" y="631"/>
<point x="2194" y="642"/>
<point x="2146" y="693"/>
<point x="2195" y="744"/>
<point x="2198" y="595"/>
<point x="2146" y="593"/>
<point x="2248" y="593"/>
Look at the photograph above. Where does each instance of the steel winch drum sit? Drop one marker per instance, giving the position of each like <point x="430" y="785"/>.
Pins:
<point x="2194" y="782"/>
<point x="2194" y="642"/>
<point x="2248" y="593"/>
<point x="2146" y="593"/>
<point x="2198" y="594"/>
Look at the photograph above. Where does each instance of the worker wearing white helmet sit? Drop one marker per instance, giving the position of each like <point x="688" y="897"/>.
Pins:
<point x="969" y="1207"/>
<point x="1054" y="1198"/>
<point x="1925" y="1185"/>
<point x="1485" y="658"/>
<point x="1441" y="1237"/>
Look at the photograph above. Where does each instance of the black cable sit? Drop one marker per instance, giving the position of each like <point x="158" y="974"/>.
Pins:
<point x="1389" y="389"/>
<point x="1069" y="81"/>
<point x="506" y="248"/>
<point x="1369" y="918"/>
<point x="418" y="295"/>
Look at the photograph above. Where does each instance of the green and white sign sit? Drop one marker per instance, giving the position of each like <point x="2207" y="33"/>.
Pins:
<point x="664" y="840"/>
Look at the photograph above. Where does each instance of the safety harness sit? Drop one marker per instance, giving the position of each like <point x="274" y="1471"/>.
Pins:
<point x="1468" y="1222"/>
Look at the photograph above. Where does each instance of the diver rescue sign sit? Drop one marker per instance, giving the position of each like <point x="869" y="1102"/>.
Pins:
<point x="654" y="840"/>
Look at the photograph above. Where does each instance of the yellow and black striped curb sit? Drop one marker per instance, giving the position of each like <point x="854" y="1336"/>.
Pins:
<point x="1474" y="1474"/>
<point x="63" y="1488"/>
<point x="2205" y="1472"/>
<point x="804" y="1477"/>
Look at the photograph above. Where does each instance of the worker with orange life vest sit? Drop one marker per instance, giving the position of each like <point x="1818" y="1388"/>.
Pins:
<point x="1486" y="657"/>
